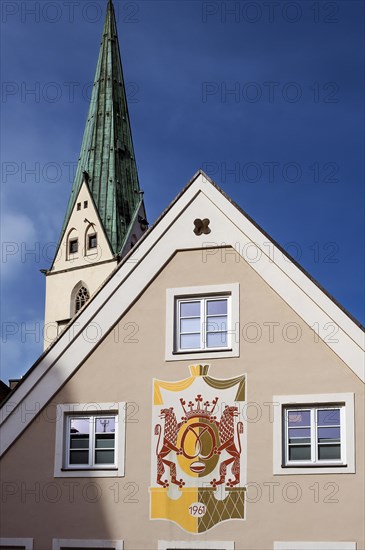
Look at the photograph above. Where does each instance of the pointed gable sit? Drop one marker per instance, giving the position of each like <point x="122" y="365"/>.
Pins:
<point x="176" y="231"/>
<point x="83" y="223"/>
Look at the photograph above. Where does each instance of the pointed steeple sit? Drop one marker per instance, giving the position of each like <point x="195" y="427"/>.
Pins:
<point x="107" y="155"/>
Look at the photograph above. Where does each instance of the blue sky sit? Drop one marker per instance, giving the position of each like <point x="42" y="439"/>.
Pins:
<point x="266" y="97"/>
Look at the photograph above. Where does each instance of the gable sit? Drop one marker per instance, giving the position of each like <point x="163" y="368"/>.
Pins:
<point x="174" y="232"/>
<point x="83" y="221"/>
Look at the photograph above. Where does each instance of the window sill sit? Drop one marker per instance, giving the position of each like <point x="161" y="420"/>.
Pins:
<point x="114" y="469"/>
<point x="88" y="473"/>
<point x="202" y="354"/>
<point x="314" y="470"/>
<point x="320" y="466"/>
<point x="195" y="351"/>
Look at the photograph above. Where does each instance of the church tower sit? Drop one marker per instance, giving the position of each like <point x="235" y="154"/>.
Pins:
<point x="105" y="215"/>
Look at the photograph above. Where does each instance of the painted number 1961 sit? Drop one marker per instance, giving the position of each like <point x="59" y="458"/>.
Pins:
<point x="197" y="510"/>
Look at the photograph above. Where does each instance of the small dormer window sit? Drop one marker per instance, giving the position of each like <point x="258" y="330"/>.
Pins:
<point x="73" y="246"/>
<point x="79" y="206"/>
<point x="92" y="241"/>
<point x="86" y="204"/>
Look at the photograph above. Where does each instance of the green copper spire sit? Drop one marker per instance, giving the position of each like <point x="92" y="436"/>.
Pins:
<point x="107" y="154"/>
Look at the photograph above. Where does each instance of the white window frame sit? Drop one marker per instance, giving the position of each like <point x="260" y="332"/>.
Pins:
<point x="92" y="438"/>
<point x="27" y="544"/>
<point x="64" y="411"/>
<point x="203" y="544"/>
<point x="203" y="316"/>
<point x="58" y="544"/>
<point x="313" y="426"/>
<point x="320" y="545"/>
<point x="173" y="295"/>
<point x="330" y="400"/>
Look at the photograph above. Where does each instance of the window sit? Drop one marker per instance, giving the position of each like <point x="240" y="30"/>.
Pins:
<point x="92" y="241"/>
<point x="85" y="204"/>
<point x="314" y="434"/>
<point x="202" y="320"/>
<point x="195" y="545"/>
<point x="82" y="297"/>
<point x="73" y="544"/>
<point x="202" y="323"/>
<point x="21" y="544"/>
<point x="61" y="325"/>
<point x="90" y="440"/>
<point x="319" y="545"/>
<point x="79" y="206"/>
<point x="73" y="246"/>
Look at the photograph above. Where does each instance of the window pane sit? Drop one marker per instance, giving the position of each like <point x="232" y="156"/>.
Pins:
<point x="329" y="452"/>
<point x="104" y="457"/>
<point x="329" y="434"/>
<point x="299" y="435"/>
<point x="82" y="297"/>
<point x="300" y="452"/>
<point x="190" y="325"/>
<point x="79" y="441"/>
<point x="299" y="418"/>
<point x="92" y="241"/>
<point x="80" y="425"/>
<point x="73" y="246"/>
<point x="217" y="307"/>
<point x="104" y="425"/>
<point x="190" y="341"/>
<point x="190" y="309"/>
<point x="216" y="339"/>
<point x="215" y="324"/>
<point x="79" y="457"/>
<point x="328" y="417"/>
<point x="104" y="441"/>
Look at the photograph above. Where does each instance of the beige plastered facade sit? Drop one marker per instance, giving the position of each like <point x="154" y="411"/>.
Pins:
<point x="121" y="369"/>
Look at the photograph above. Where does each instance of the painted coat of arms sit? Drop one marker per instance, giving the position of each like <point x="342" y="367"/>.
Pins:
<point x="198" y="450"/>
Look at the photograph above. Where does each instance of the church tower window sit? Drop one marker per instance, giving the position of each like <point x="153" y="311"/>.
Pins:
<point x="82" y="297"/>
<point x="73" y="246"/>
<point x="92" y="241"/>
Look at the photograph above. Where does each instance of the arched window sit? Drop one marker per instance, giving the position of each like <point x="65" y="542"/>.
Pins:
<point x="81" y="298"/>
